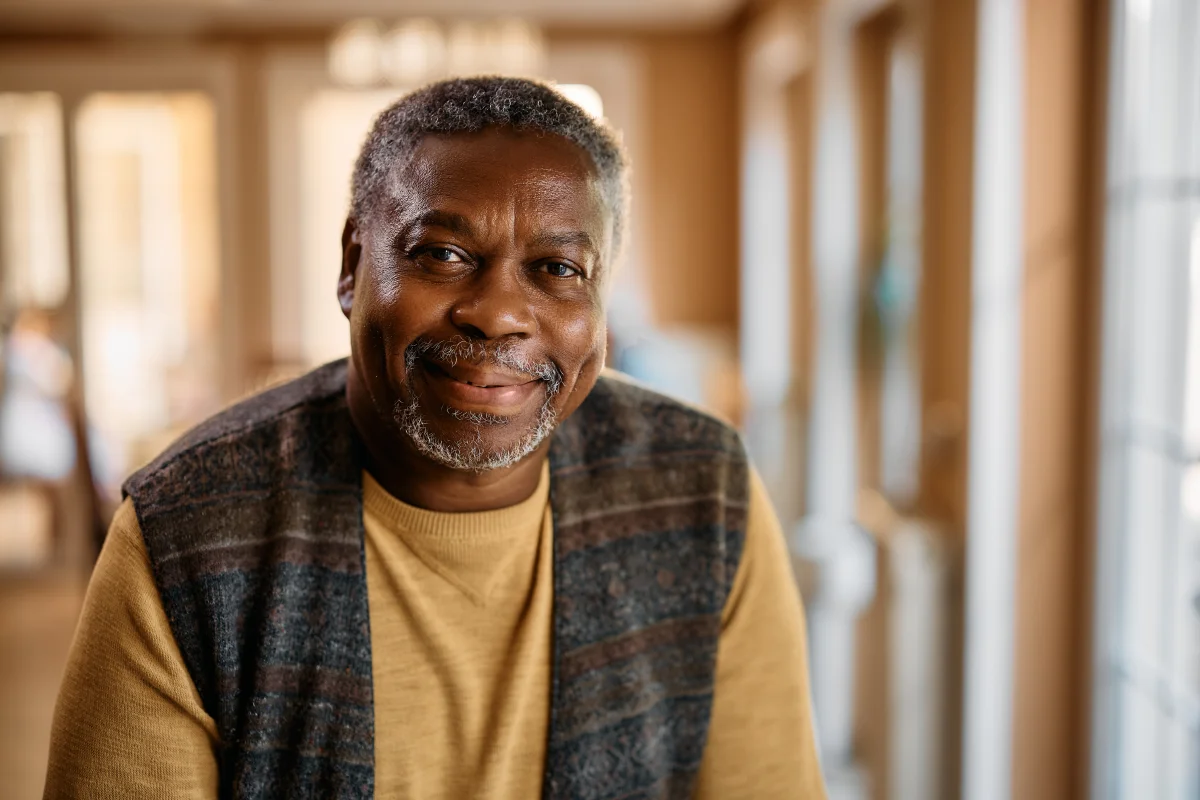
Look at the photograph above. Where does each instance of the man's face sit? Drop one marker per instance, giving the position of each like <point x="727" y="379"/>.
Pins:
<point x="475" y="294"/>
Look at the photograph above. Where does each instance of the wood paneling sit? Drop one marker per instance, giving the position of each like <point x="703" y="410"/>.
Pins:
<point x="873" y="42"/>
<point x="945" y="297"/>
<point x="945" y="302"/>
<point x="1057" y="407"/>
<point x="690" y="210"/>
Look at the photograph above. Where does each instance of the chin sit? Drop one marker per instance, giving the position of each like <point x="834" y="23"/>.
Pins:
<point x="474" y="441"/>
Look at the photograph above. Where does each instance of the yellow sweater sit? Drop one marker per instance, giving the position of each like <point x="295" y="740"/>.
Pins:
<point x="461" y="618"/>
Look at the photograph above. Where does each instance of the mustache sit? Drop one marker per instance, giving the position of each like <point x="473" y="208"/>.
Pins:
<point x="505" y="353"/>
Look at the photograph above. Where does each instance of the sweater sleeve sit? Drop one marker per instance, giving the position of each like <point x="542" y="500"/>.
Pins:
<point x="129" y="722"/>
<point x="761" y="742"/>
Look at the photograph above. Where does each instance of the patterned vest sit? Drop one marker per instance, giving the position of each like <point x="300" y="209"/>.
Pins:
<point x="253" y="524"/>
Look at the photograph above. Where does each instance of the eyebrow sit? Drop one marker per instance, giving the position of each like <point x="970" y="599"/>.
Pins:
<point x="566" y="239"/>
<point x="455" y="223"/>
<point x="460" y="225"/>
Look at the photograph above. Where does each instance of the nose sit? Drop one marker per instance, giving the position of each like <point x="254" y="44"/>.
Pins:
<point x="496" y="305"/>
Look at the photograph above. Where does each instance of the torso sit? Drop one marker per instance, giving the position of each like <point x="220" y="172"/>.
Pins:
<point x="461" y="617"/>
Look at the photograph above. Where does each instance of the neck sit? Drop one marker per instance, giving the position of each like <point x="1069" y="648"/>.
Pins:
<point x="408" y="475"/>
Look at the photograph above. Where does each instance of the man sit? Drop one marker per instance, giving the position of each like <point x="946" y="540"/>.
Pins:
<point x="463" y="564"/>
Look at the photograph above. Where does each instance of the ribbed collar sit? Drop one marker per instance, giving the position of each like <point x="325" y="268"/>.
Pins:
<point x="479" y="551"/>
<point x="496" y="523"/>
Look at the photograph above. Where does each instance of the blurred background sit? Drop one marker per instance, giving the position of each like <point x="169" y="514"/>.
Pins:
<point x="938" y="259"/>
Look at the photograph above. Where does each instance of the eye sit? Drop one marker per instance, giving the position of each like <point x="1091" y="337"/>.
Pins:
<point x="444" y="254"/>
<point x="558" y="269"/>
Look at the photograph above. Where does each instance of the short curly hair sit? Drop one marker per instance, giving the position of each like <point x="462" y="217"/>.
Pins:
<point x="467" y="105"/>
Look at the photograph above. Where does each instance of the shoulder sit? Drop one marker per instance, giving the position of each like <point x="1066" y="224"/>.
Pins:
<point x="622" y="419"/>
<point x="234" y="443"/>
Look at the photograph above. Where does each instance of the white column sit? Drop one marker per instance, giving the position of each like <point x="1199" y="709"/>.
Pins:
<point x="835" y="557"/>
<point x="773" y="55"/>
<point x="994" y="431"/>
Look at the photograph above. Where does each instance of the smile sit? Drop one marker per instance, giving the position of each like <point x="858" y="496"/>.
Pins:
<point x="481" y="389"/>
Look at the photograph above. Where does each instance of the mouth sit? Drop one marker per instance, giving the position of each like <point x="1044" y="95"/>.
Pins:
<point x="480" y="389"/>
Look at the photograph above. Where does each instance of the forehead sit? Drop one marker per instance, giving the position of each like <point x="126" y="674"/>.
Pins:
<point x="540" y="179"/>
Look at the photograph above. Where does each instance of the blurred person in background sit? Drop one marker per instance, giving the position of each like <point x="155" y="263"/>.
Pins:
<point x="43" y="441"/>
<point x="36" y="436"/>
<point x="465" y="562"/>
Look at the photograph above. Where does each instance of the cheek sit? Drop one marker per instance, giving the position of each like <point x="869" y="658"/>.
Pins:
<point x="390" y="314"/>
<point x="382" y="293"/>
<point x="380" y="330"/>
<point x="368" y="328"/>
<point x="582" y="337"/>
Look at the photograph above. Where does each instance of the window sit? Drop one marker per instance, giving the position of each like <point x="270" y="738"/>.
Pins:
<point x="1146" y="733"/>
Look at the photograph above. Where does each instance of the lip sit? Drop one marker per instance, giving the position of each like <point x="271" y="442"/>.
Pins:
<point x="469" y="388"/>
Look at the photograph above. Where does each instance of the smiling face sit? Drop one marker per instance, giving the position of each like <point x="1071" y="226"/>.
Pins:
<point x="475" y="293"/>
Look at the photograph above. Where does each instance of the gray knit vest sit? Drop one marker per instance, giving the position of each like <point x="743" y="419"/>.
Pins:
<point x="253" y="524"/>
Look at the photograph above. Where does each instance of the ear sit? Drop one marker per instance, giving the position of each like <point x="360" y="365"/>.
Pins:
<point x="351" y="256"/>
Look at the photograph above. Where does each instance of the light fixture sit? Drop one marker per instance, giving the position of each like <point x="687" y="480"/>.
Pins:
<point x="414" y="51"/>
<point x="354" y="53"/>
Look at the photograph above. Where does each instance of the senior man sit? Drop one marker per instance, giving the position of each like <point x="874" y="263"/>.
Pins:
<point x="463" y="563"/>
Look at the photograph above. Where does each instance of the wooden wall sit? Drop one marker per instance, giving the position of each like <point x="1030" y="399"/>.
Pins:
<point x="1063" y="164"/>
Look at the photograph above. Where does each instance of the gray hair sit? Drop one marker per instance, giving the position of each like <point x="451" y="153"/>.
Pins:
<point x="467" y="105"/>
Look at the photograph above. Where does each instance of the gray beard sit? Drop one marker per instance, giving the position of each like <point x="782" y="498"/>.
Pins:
<point x="469" y="454"/>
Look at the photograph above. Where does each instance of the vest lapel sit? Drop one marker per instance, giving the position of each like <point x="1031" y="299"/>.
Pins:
<point x="648" y="500"/>
<point x="253" y="524"/>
